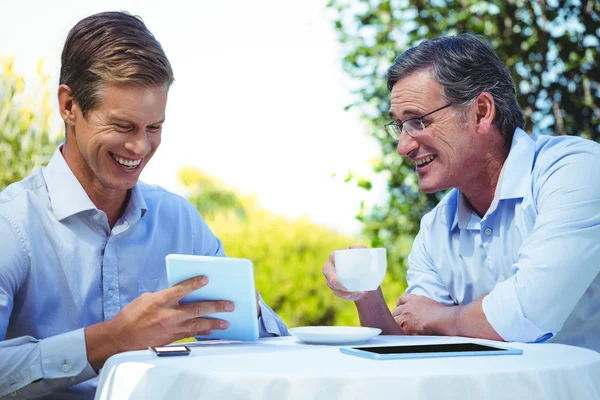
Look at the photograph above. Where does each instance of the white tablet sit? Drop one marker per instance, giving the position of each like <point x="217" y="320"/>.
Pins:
<point x="428" y="351"/>
<point x="228" y="279"/>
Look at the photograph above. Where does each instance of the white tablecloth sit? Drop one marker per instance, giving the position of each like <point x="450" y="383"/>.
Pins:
<point x="282" y="368"/>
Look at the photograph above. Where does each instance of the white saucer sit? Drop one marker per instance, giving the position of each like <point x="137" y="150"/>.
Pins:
<point x="334" y="334"/>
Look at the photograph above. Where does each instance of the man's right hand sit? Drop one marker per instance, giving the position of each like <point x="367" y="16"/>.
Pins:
<point x="154" y="319"/>
<point x="334" y="283"/>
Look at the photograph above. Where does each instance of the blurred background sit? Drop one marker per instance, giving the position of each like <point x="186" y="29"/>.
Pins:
<point x="275" y="122"/>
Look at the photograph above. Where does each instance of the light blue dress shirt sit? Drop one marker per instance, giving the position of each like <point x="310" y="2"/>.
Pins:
<point x="536" y="251"/>
<point x="62" y="269"/>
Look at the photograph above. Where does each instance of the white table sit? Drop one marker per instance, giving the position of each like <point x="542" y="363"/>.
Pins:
<point x="282" y="368"/>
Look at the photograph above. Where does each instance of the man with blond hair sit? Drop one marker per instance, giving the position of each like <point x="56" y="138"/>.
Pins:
<point x="82" y="266"/>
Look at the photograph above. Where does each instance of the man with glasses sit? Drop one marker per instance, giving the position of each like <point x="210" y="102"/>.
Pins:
<point x="512" y="252"/>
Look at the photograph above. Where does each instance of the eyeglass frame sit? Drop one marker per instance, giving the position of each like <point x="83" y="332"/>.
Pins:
<point x="389" y="127"/>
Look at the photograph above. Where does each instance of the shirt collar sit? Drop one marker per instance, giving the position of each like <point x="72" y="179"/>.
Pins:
<point x="516" y="172"/>
<point x="68" y="197"/>
<point x="514" y="178"/>
<point x="136" y="207"/>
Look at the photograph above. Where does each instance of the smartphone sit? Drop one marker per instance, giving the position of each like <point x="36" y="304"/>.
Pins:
<point x="166" y="351"/>
<point x="428" y="351"/>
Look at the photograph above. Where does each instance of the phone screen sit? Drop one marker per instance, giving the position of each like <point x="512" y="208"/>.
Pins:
<point x="429" y="348"/>
<point x="171" y="350"/>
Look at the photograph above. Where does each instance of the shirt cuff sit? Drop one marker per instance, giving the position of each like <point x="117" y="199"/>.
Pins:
<point x="62" y="362"/>
<point x="269" y="324"/>
<point x="64" y="359"/>
<point x="505" y="314"/>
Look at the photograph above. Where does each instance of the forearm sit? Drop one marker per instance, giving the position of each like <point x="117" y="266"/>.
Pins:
<point x="33" y="368"/>
<point x="468" y="321"/>
<point x="374" y="312"/>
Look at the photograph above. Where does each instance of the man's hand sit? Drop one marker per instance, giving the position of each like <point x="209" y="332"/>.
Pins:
<point x="419" y="315"/>
<point x="334" y="283"/>
<point x="154" y="319"/>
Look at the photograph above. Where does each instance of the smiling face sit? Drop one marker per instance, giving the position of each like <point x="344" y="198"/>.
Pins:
<point x="109" y="147"/>
<point x="445" y="154"/>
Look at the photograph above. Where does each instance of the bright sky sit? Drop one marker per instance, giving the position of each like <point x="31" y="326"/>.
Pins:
<point x="258" y="99"/>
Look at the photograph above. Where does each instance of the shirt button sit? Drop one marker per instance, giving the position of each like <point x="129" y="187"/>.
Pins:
<point x="110" y="293"/>
<point x="488" y="231"/>
<point x="66" y="367"/>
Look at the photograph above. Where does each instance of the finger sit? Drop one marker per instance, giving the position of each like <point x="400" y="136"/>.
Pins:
<point x="200" y="326"/>
<point x="202" y="308"/>
<point x="398" y="320"/>
<point x="329" y="270"/>
<point x="403" y="324"/>
<point x="357" y="246"/>
<point x="184" y="288"/>
<point x="331" y="257"/>
<point x="405" y="298"/>
<point x="331" y="277"/>
<point x="397" y="311"/>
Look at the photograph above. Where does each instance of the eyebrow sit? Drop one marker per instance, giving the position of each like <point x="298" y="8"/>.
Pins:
<point x="116" y="119"/>
<point x="411" y="113"/>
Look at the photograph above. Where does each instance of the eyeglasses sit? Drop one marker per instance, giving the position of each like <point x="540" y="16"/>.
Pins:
<point x="412" y="126"/>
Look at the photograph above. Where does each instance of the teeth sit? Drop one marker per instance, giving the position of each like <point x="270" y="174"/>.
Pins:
<point x="423" y="160"/>
<point x="126" y="163"/>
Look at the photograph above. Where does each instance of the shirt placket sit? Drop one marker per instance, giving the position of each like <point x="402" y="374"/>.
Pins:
<point x="487" y="240"/>
<point x="110" y="273"/>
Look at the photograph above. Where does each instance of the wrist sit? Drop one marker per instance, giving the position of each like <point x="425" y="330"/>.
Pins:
<point x="370" y="297"/>
<point x="447" y="324"/>
<point x="101" y="343"/>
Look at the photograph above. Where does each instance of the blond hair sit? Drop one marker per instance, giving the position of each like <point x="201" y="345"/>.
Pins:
<point x="111" y="47"/>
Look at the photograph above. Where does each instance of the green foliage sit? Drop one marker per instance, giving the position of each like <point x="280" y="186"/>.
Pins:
<point x="287" y="254"/>
<point x="209" y="195"/>
<point x="25" y="139"/>
<point x="551" y="48"/>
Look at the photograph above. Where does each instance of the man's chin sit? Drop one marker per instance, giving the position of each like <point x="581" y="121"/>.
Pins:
<point x="430" y="189"/>
<point x="121" y="186"/>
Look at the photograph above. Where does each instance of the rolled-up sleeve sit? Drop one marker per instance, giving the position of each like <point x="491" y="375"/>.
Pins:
<point x="559" y="259"/>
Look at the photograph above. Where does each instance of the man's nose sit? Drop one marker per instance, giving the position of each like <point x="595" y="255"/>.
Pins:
<point x="406" y="144"/>
<point x="138" y="143"/>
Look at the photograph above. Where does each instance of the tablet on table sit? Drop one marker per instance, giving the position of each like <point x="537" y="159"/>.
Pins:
<point x="428" y="351"/>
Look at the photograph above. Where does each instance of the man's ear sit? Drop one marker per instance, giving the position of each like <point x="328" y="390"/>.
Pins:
<point x="485" y="110"/>
<point x="66" y="105"/>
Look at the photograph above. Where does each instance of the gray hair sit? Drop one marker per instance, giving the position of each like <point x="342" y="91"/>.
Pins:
<point x="465" y="65"/>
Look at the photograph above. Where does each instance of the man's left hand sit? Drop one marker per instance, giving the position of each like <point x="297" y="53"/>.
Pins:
<point x="419" y="315"/>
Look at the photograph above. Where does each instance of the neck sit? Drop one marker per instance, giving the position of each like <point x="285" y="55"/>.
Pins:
<point x="481" y="187"/>
<point x="112" y="202"/>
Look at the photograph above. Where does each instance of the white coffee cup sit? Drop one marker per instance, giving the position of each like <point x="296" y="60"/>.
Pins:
<point x="360" y="269"/>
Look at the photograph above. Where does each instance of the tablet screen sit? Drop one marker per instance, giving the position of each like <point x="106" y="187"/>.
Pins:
<point x="430" y="348"/>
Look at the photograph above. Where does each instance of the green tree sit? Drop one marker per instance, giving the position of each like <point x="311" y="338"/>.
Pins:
<point x="25" y="138"/>
<point x="551" y="48"/>
<point x="210" y="195"/>
<point x="287" y="254"/>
